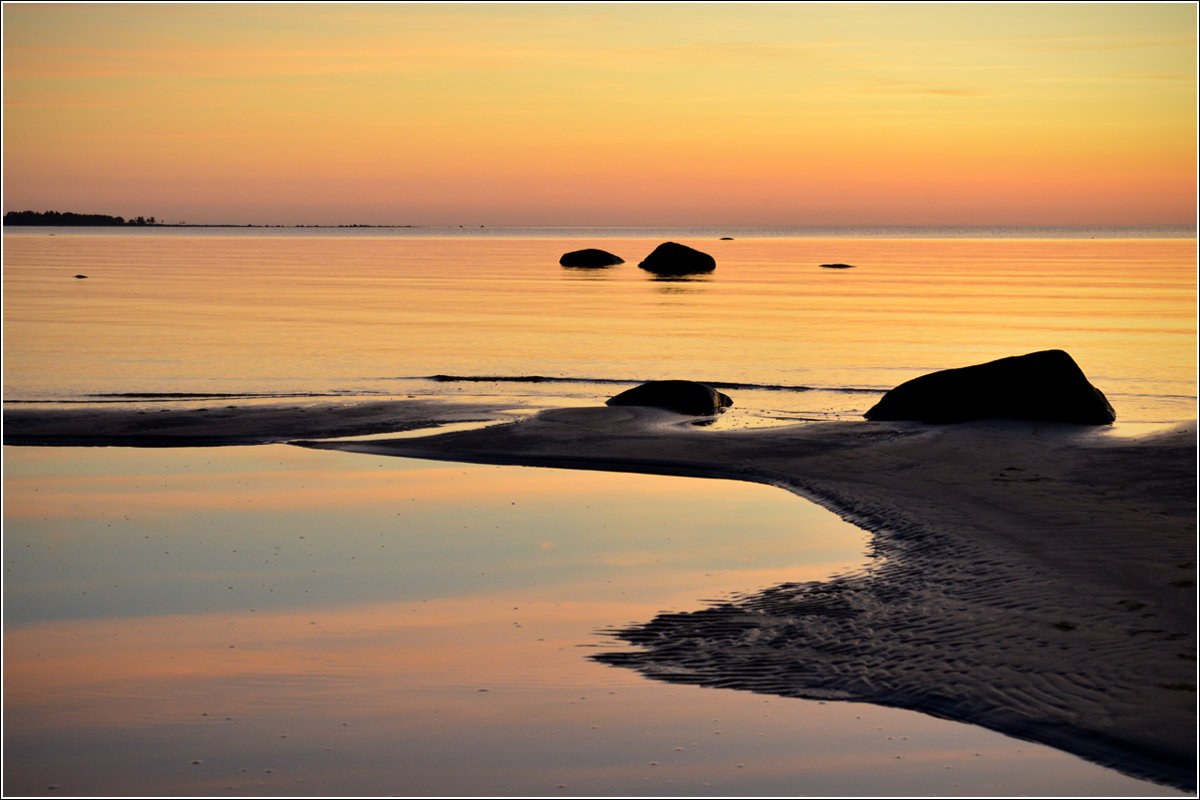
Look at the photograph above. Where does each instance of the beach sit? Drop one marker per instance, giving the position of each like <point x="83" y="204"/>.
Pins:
<point x="467" y="514"/>
<point x="539" y="400"/>
<point x="1036" y="579"/>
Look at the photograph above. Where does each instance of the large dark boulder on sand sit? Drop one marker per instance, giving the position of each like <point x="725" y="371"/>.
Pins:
<point x="670" y="258"/>
<point x="591" y="257"/>
<point x="1047" y="385"/>
<point x="684" y="397"/>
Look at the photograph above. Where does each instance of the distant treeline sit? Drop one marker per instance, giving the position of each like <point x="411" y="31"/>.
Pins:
<point x="70" y="218"/>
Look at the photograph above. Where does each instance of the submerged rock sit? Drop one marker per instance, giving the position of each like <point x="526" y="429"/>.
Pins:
<point x="590" y="257"/>
<point x="684" y="397"/>
<point x="670" y="258"/>
<point x="1047" y="385"/>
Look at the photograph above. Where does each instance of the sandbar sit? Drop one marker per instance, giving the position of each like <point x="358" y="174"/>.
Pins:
<point x="1036" y="579"/>
<point x="199" y="424"/>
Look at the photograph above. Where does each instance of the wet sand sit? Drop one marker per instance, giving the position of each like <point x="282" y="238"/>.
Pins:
<point x="1035" y="579"/>
<point x="213" y="424"/>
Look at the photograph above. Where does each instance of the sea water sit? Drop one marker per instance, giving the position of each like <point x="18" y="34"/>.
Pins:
<point x="279" y="621"/>
<point x="367" y="312"/>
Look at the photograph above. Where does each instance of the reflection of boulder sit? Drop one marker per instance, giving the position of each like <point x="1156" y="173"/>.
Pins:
<point x="670" y="258"/>
<point x="591" y="257"/>
<point x="684" y="397"/>
<point x="1047" y="385"/>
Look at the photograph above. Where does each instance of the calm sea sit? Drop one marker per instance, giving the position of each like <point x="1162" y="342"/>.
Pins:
<point x="379" y="312"/>
<point x="280" y="621"/>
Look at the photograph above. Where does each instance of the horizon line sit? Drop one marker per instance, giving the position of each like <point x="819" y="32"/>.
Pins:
<point x="735" y="226"/>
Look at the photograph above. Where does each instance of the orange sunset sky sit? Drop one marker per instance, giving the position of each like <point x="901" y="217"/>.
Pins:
<point x="611" y="114"/>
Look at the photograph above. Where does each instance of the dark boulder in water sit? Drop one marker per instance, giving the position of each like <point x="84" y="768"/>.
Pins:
<point x="670" y="258"/>
<point x="838" y="266"/>
<point x="684" y="397"/>
<point x="591" y="257"/>
<point x="1047" y="386"/>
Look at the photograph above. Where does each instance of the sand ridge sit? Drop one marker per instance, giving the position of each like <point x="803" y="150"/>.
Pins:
<point x="213" y="424"/>
<point x="1037" y="579"/>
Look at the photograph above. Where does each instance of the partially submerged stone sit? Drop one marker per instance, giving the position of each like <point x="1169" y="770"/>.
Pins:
<point x="837" y="266"/>
<point x="590" y="257"/>
<point x="683" y="397"/>
<point x="671" y="258"/>
<point x="1047" y="385"/>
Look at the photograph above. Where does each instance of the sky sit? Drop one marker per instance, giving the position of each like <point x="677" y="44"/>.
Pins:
<point x="604" y="114"/>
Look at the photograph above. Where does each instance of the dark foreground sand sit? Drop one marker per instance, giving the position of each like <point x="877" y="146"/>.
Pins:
<point x="1036" y="579"/>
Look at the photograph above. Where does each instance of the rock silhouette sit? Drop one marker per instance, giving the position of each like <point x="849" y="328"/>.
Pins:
<point x="838" y="266"/>
<point x="684" y="397"/>
<point x="1047" y="385"/>
<point x="670" y="258"/>
<point x="590" y="257"/>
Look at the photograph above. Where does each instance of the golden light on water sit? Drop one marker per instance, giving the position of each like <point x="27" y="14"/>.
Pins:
<point x="273" y="313"/>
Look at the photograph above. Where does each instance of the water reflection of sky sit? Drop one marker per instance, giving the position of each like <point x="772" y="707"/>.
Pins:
<point x="310" y="622"/>
<point x="123" y="532"/>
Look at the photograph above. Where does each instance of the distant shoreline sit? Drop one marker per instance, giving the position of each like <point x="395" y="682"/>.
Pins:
<point x="189" y="225"/>
<point x="732" y="232"/>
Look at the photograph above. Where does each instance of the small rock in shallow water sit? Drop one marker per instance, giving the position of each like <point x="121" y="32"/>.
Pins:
<point x="590" y="257"/>
<point x="683" y="397"/>
<point x="670" y="258"/>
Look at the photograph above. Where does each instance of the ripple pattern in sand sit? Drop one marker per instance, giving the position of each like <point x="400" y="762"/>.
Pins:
<point x="984" y="643"/>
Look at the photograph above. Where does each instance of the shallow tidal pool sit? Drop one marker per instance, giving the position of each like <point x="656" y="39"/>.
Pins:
<point x="281" y="621"/>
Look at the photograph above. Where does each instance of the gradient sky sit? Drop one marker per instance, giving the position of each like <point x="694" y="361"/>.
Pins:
<point x="619" y="114"/>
